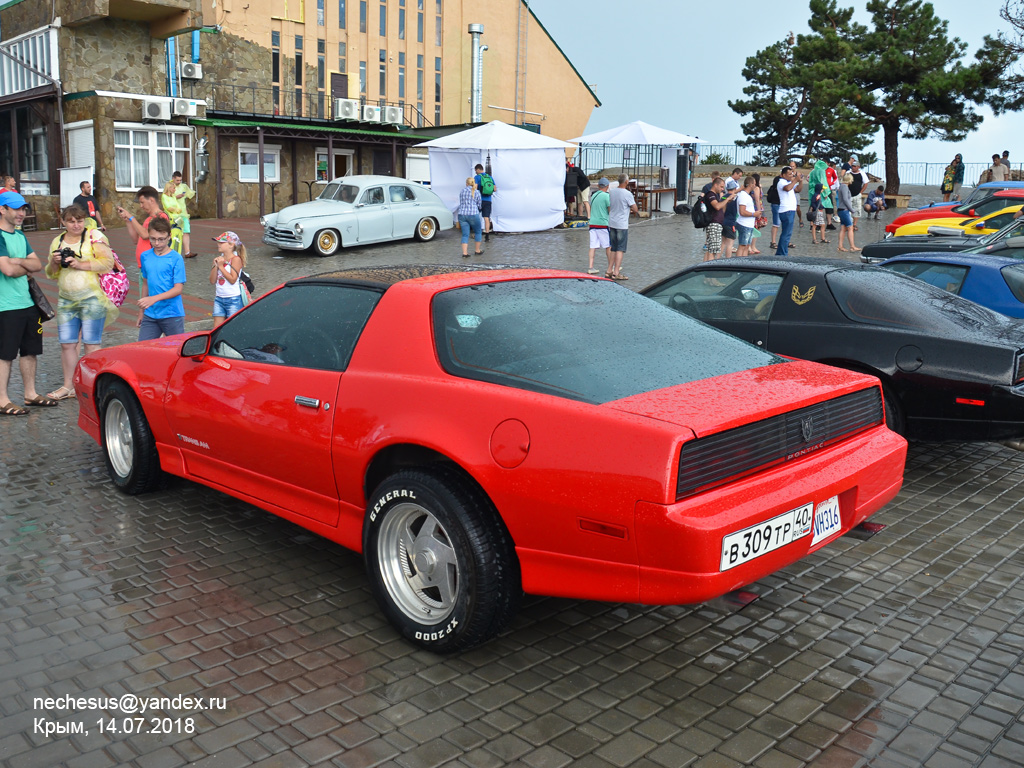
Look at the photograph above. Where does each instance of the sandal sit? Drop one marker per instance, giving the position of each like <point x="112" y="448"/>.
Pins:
<point x="10" y="409"/>
<point x="61" y="393"/>
<point x="41" y="402"/>
<point x="619" y="276"/>
<point x="609" y="275"/>
<point x="774" y="245"/>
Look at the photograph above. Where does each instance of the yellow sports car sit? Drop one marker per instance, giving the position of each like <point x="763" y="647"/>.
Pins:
<point x="982" y="225"/>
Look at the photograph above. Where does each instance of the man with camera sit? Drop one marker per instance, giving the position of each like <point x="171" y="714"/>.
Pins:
<point x="21" y="329"/>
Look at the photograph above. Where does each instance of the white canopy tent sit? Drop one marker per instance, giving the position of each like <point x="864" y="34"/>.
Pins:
<point x="528" y="171"/>
<point x="644" y="151"/>
<point x="638" y="132"/>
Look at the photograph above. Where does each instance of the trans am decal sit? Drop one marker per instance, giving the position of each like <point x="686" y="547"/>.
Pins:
<point x="802" y="298"/>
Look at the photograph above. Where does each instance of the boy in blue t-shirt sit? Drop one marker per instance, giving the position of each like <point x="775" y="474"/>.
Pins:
<point x="161" y="311"/>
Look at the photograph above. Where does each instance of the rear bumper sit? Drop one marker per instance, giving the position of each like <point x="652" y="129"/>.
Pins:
<point x="680" y="545"/>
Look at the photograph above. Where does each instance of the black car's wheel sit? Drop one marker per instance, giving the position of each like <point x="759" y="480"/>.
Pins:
<point x="426" y="230"/>
<point x="128" y="445"/>
<point x="327" y="242"/>
<point x="441" y="564"/>
<point x="893" y="411"/>
<point x="683" y="302"/>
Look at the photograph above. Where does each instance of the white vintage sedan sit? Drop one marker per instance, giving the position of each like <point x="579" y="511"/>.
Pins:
<point x="355" y="210"/>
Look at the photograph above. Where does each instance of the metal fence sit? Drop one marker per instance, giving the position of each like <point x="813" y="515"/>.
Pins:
<point x="924" y="174"/>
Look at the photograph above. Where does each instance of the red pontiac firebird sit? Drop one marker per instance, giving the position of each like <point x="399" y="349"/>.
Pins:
<point x="481" y="433"/>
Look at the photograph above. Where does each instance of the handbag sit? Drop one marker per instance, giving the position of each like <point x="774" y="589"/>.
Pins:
<point x="115" y="283"/>
<point x="39" y="299"/>
<point x="244" y="293"/>
<point x="760" y="222"/>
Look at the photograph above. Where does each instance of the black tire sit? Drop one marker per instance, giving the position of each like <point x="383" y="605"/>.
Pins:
<point x="451" y="523"/>
<point x="893" y="411"/>
<point x="327" y="242"/>
<point x="426" y="229"/>
<point x="128" y="445"/>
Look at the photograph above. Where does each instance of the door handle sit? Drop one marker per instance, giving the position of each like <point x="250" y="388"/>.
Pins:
<point x="310" y="402"/>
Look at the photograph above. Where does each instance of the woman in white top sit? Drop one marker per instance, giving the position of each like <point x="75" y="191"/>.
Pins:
<point x="225" y="273"/>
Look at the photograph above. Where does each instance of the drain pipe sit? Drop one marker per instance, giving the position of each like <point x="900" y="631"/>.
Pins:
<point x="476" y="92"/>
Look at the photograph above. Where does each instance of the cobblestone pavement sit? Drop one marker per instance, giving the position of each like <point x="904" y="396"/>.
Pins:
<point x="902" y="649"/>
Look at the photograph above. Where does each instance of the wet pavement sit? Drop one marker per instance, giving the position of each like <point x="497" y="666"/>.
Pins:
<point x="898" y="649"/>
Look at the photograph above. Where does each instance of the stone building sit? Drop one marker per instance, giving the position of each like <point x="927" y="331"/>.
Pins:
<point x="258" y="101"/>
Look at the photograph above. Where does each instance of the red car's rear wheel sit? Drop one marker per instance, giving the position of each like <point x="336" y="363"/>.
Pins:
<point x="440" y="561"/>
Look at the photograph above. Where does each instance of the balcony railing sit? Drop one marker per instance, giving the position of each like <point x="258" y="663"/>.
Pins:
<point x="28" y="62"/>
<point x="260" y="101"/>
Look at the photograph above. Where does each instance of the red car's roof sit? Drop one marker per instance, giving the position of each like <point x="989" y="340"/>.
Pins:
<point x="442" y="275"/>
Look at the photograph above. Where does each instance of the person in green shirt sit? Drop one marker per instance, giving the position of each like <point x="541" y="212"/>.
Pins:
<point x="599" y="224"/>
<point x="21" y="329"/>
<point x="175" y="204"/>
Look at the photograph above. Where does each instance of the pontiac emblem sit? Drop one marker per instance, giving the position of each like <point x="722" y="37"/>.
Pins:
<point x="802" y="298"/>
<point x="807" y="428"/>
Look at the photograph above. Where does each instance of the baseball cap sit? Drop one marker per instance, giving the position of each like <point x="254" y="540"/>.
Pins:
<point x="603" y="181"/>
<point x="12" y="200"/>
<point x="228" y="237"/>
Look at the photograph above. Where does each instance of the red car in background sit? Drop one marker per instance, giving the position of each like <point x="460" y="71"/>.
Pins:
<point x="478" y="434"/>
<point x="988" y="204"/>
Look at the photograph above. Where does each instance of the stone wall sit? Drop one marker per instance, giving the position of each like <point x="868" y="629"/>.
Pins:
<point x="24" y="17"/>
<point x="112" y="55"/>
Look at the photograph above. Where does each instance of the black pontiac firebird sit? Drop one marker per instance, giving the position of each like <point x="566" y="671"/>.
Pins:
<point x="950" y="369"/>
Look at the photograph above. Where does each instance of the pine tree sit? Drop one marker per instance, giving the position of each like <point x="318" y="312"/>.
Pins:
<point x="902" y="73"/>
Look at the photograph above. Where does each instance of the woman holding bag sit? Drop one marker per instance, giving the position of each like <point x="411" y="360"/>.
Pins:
<point x="225" y="274"/>
<point x="77" y="258"/>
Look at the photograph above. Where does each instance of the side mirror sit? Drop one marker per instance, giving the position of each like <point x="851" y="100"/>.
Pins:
<point x="980" y="225"/>
<point x="196" y="347"/>
<point x="971" y="212"/>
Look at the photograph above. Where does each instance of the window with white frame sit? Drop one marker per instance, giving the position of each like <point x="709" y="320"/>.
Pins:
<point x="249" y="162"/>
<point x="149" y="155"/>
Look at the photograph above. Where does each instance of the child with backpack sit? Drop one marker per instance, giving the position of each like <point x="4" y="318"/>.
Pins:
<point x="485" y="184"/>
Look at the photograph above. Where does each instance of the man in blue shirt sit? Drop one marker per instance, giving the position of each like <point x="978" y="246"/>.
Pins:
<point x="161" y="310"/>
<point x="484" y="180"/>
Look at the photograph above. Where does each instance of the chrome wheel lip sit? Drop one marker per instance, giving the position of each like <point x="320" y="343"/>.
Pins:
<point x="413" y="548"/>
<point x="118" y="437"/>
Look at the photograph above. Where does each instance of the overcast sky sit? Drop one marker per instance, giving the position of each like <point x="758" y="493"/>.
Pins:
<point x="676" y="64"/>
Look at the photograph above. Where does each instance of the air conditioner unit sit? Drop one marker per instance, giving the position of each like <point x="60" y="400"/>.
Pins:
<point x="185" y="107"/>
<point x="346" y="109"/>
<point x="191" y="71"/>
<point x="393" y="115"/>
<point x="156" y="109"/>
<point x="371" y="114"/>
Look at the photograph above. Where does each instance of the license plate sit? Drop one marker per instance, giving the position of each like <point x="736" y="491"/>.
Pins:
<point x="826" y="520"/>
<point x="743" y="546"/>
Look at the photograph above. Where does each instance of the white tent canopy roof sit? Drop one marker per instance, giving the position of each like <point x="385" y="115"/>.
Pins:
<point x="639" y="132"/>
<point x="495" y="135"/>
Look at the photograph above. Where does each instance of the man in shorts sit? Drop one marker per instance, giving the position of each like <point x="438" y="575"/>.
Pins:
<point x="599" y="226"/>
<point x="21" y="329"/>
<point x="620" y="205"/>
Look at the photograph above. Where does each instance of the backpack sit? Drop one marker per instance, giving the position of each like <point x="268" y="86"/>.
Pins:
<point x="486" y="184"/>
<point x="699" y="214"/>
<point x="773" y="192"/>
<point x="247" y="281"/>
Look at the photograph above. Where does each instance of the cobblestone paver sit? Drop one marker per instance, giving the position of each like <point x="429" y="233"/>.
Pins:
<point x="901" y="649"/>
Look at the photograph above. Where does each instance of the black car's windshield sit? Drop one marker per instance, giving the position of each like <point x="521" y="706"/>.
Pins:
<point x="1013" y="229"/>
<point x="587" y="340"/>
<point x="883" y="297"/>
